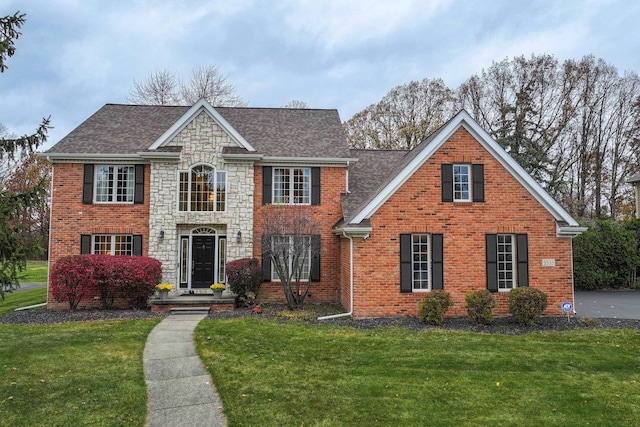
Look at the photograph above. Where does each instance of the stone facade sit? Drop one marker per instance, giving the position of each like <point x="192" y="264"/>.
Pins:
<point x="202" y="142"/>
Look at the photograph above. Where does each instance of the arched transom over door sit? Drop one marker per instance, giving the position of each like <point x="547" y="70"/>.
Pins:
<point x="202" y="258"/>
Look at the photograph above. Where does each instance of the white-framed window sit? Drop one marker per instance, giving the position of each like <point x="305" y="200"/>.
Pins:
<point x="461" y="183"/>
<point x="421" y="262"/>
<point x="114" y="184"/>
<point x="290" y="247"/>
<point x="112" y="244"/>
<point x="506" y="257"/>
<point x="292" y="186"/>
<point x="202" y="189"/>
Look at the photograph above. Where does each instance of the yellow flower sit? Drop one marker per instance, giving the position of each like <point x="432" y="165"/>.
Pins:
<point x="218" y="287"/>
<point x="164" y="287"/>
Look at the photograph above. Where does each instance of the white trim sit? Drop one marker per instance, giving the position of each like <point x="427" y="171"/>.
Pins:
<point x="307" y="161"/>
<point x="469" y="175"/>
<point x="90" y="158"/>
<point x="190" y="115"/>
<point x="464" y="119"/>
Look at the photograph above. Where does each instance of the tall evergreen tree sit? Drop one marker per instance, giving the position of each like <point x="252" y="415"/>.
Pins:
<point x="14" y="246"/>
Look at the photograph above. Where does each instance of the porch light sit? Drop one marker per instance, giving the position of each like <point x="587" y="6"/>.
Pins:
<point x="161" y="235"/>
<point x="239" y="237"/>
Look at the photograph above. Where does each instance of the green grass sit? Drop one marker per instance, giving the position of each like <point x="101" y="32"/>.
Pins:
<point x="73" y="374"/>
<point x="36" y="272"/>
<point x="22" y="299"/>
<point x="291" y="374"/>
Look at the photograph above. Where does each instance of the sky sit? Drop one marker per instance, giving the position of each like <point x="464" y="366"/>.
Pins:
<point x="74" y="56"/>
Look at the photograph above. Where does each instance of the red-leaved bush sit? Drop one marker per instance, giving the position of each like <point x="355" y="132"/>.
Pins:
<point x="71" y="279"/>
<point x="137" y="278"/>
<point x="244" y="275"/>
<point x="131" y="278"/>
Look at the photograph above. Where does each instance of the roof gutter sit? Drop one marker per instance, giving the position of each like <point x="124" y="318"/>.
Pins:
<point x="350" y="313"/>
<point x="570" y="232"/>
<point x="339" y="161"/>
<point x="86" y="157"/>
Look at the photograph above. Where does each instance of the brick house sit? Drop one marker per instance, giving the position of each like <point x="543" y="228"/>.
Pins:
<point x="186" y="185"/>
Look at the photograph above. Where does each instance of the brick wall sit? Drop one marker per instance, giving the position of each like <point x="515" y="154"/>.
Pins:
<point x="70" y="218"/>
<point x="328" y="213"/>
<point x="417" y="207"/>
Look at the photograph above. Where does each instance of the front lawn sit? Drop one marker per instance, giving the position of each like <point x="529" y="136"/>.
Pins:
<point x="36" y="272"/>
<point x="291" y="374"/>
<point x="73" y="374"/>
<point x="20" y="299"/>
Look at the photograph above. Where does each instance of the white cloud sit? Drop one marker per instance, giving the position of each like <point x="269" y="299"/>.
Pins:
<point x="335" y="22"/>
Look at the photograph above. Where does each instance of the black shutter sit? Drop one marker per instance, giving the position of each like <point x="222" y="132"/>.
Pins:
<point x="315" y="260"/>
<point x="523" y="260"/>
<point x="137" y="245"/>
<point x="492" y="262"/>
<point x="266" y="263"/>
<point x="478" y="183"/>
<point x="87" y="185"/>
<point x="266" y="184"/>
<point x="315" y="186"/>
<point x="85" y="244"/>
<point x="447" y="182"/>
<point x="406" y="282"/>
<point x="138" y="195"/>
<point x="437" y="270"/>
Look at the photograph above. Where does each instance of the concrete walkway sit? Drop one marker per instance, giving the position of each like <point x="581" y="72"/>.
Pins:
<point x="181" y="392"/>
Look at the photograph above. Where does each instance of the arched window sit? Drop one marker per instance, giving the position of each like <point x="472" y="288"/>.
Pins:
<point x="202" y="189"/>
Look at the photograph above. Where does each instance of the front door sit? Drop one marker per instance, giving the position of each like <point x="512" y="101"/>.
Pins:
<point x="203" y="251"/>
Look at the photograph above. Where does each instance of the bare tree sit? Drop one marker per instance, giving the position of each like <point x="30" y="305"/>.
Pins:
<point x="159" y="88"/>
<point x="295" y="104"/>
<point x="207" y="82"/>
<point x="162" y="87"/>
<point x="403" y="118"/>
<point x="291" y="242"/>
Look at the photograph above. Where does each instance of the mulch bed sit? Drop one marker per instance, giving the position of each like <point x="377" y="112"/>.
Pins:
<point x="501" y="325"/>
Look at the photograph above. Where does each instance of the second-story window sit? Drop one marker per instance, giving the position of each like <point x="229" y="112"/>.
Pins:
<point x="202" y="189"/>
<point x="114" y="184"/>
<point x="292" y="186"/>
<point x="461" y="183"/>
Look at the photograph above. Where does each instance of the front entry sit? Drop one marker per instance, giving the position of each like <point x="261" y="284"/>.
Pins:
<point x="202" y="259"/>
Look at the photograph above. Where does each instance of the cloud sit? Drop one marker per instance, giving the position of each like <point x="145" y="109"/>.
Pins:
<point x="334" y="23"/>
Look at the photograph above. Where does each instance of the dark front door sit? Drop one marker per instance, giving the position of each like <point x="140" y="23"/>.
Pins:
<point x="202" y="261"/>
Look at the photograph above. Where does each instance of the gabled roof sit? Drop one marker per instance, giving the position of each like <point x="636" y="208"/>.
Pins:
<point x="197" y="108"/>
<point x="634" y="178"/>
<point x="404" y="167"/>
<point x="118" y="130"/>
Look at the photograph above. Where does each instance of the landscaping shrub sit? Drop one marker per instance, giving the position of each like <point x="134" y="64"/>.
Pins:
<point x="434" y="305"/>
<point x="135" y="278"/>
<point x="244" y="276"/>
<point x="103" y="270"/>
<point x="527" y="304"/>
<point x="479" y="306"/>
<point x="131" y="278"/>
<point x="71" y="279"/>
<point x="606" y="255"/>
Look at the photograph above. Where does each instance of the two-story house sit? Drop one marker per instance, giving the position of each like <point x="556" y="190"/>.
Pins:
<point x="185" y="185"/>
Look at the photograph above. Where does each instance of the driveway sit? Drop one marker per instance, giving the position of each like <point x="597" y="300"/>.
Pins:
<point x="28" y="286"/>
<point x="615" y="305"/>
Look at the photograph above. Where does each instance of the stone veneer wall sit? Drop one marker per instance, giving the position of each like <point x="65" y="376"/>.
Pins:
<point x="202" y="141"/>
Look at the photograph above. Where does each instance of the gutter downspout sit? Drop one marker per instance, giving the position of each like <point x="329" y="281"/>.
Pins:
<point x="334" y="316"/>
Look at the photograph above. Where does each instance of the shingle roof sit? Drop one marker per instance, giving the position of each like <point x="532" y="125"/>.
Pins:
<point x="276" y="132"/>
<point x="368" y="175"/>
<point x="119" y="129"/>
<point x="373" y="172"/>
